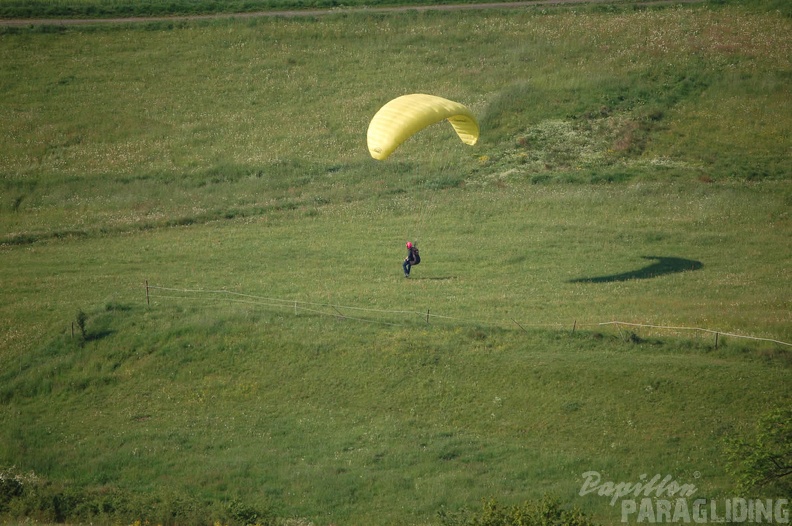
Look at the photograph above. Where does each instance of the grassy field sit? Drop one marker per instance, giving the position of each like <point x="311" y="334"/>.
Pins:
<point x="634" y="165"/>
<point x="111" y="9"/>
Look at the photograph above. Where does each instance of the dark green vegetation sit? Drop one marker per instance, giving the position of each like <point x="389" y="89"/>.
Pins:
<point x="633" y="166"/>
<point x="765" y="459"/>
<point x="143" y="8"/>
<point x="46" y="9"/>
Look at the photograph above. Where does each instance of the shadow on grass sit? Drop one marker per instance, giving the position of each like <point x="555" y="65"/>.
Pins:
<point x="660" y="267"/>
<point x="98" y="335"/>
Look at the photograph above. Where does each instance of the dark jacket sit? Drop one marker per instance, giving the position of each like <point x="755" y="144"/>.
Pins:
<point x="413" y="258"/>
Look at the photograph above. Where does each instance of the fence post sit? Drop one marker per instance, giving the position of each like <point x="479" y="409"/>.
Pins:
<point x="716" y="340"/>
<point x="427" y="316"/>
<point x="148" y="301"/>
<point x="574" y="326"/>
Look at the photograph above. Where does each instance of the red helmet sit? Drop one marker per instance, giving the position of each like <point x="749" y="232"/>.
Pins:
<point x="409" y="244"/>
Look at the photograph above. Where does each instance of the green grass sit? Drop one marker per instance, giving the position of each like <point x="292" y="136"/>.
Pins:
<point x="230" y="156"/>
<point x="98" y="9"/>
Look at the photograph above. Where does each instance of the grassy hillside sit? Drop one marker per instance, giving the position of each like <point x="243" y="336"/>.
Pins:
<point x="25" y="9"/>
<point x="633" y="166"/>
<point x="105" y="9"/>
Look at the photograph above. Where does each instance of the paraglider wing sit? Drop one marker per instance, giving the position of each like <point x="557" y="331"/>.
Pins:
<point x="404" y="116"/>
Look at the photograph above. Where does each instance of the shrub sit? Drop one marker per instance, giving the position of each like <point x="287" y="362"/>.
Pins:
<point x="11" y="487"/>
<point x="81" y="320"/>
<point x="764" y="461"/>
<point x="545" y="512"/>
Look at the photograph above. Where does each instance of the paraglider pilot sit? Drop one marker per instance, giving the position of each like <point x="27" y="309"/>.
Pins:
<point x="412" y="259"/>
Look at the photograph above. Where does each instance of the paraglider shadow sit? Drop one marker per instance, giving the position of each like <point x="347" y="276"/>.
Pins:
<point x="661" y="267"/>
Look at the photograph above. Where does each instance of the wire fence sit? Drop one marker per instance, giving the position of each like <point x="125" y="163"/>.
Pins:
<point x="394" y="317"/>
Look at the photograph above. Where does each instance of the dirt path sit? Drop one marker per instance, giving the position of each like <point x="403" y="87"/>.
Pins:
<point x="313" y="12"/>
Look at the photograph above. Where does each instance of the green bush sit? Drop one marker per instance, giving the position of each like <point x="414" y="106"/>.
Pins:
<point x="26" y="496"/>
<point x="545" y="512"/>
<point x="11" y="487"/>
<point x="81" y="319"/>
<point x="763" y="462"/>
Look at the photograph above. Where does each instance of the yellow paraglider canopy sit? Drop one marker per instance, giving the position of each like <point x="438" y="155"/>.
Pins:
<point x="404" y="116"/>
